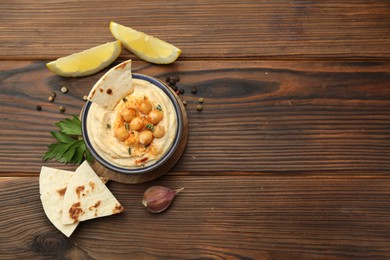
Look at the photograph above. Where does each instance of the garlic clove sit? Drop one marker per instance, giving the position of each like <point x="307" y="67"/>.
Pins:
<point x="158" y="198"/>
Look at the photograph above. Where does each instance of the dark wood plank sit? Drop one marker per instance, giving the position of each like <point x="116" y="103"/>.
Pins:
<point x="280" y="117"/>
<point x="202" y="29"/>
<point x="212" y="218"/>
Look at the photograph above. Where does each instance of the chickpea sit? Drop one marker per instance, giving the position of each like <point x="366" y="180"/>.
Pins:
<point x="121" y="133"/>
<point x="136" y="124"/>
<point x="159" y="131"/>
<point x="145" y="106"/>
<point x="155" y="116"/>
<point x="145" y="137"/>
<point x="128" y="114"/>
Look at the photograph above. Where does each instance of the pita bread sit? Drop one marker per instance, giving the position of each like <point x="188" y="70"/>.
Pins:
<point x="113" y="86"/>
<point x="52" y="187"/>
<point x="87" y="197"/>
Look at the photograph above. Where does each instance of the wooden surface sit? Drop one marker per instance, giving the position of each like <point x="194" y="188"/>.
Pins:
<point x="289" y="158"/>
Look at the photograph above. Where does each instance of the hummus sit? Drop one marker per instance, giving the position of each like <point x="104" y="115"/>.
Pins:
<point x="138" y="131"/>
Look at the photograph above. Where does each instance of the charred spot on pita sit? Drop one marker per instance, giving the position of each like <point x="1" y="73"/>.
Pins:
<point x="79" y="189"/>
<point x="92" y="184"/>
<point x="75" y="211"/>
<point x="117" y="209"/>
<point x="61" y="192"/>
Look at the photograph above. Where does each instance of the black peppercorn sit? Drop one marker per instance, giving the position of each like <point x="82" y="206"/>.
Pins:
<point x="172" y="82"/>
<point x="38" y="107"/>
<point x="194" y="90"/>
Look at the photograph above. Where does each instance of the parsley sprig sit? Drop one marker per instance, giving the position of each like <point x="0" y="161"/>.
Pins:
<point x="69" y="148"/>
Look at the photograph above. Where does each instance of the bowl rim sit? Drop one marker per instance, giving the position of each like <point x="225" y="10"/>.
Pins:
<point x="160" y="84"/>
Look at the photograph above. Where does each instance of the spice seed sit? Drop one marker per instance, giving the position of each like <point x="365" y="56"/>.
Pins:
<point x="184" y="102"/>
<point x="201" y="100"/>
<point x="172" y="82"/>
<point x="194" y="90"/>
<point x="64" y="89"/>
<point x="50" y="98"/>
<point x="62" y="109"/>
<point x="199" y="108"/>
<point x="85" y="97"/>
<point x="168" y="79"/>
<point x="38" y="107"/>
<point x="53" y="94"/>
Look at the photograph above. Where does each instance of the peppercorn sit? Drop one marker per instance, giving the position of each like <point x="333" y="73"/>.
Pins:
<point x="172" y="82"/>
<point x="181" y="91"/>
<point x="201" y="100"/>
<point x="184" y="102"/>
<point x="62" y="109"/>
<point x="38" y="107"/>
<point x="64" y="89"/>
<point x="194" y="90"/>
<point x="168" y="79"/>
<point x="199" y="108"/>
<point x="50" y="98"/>
<point x="85" y="97"/>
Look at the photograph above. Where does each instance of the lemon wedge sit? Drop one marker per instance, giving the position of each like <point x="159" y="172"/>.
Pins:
<point x="146" y="47"/>
<point x="86" y="62"/>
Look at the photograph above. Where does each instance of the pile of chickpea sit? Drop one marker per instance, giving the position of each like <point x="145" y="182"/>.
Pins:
<point x="140" y="125"/>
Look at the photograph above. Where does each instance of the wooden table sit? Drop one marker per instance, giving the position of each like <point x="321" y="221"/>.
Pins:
<point x="289" y="158"/>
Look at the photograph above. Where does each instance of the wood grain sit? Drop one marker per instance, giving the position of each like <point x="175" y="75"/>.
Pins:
<point x="260" y="117"/>
<point x="283" y="218"/>
<point x="202" y="29"/>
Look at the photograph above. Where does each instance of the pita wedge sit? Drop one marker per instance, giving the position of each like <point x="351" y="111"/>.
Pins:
<point x="87" y="197"/>
<point x="52" y="187"/>
<point x="114" y="85"/>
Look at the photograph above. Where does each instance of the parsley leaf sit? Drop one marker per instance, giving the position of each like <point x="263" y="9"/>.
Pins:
<point x="69" y="148"/>
<point x="70" y="126"/>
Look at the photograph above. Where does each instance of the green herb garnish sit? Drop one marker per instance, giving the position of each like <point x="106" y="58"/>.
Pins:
<point x="68" y="148"/>
<point x="129" y="150"/>
<point x="150" y="127"/>
<point x="159" y="108"/>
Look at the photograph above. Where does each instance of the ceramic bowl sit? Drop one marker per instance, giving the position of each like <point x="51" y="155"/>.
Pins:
<point x="171" y="155"/>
